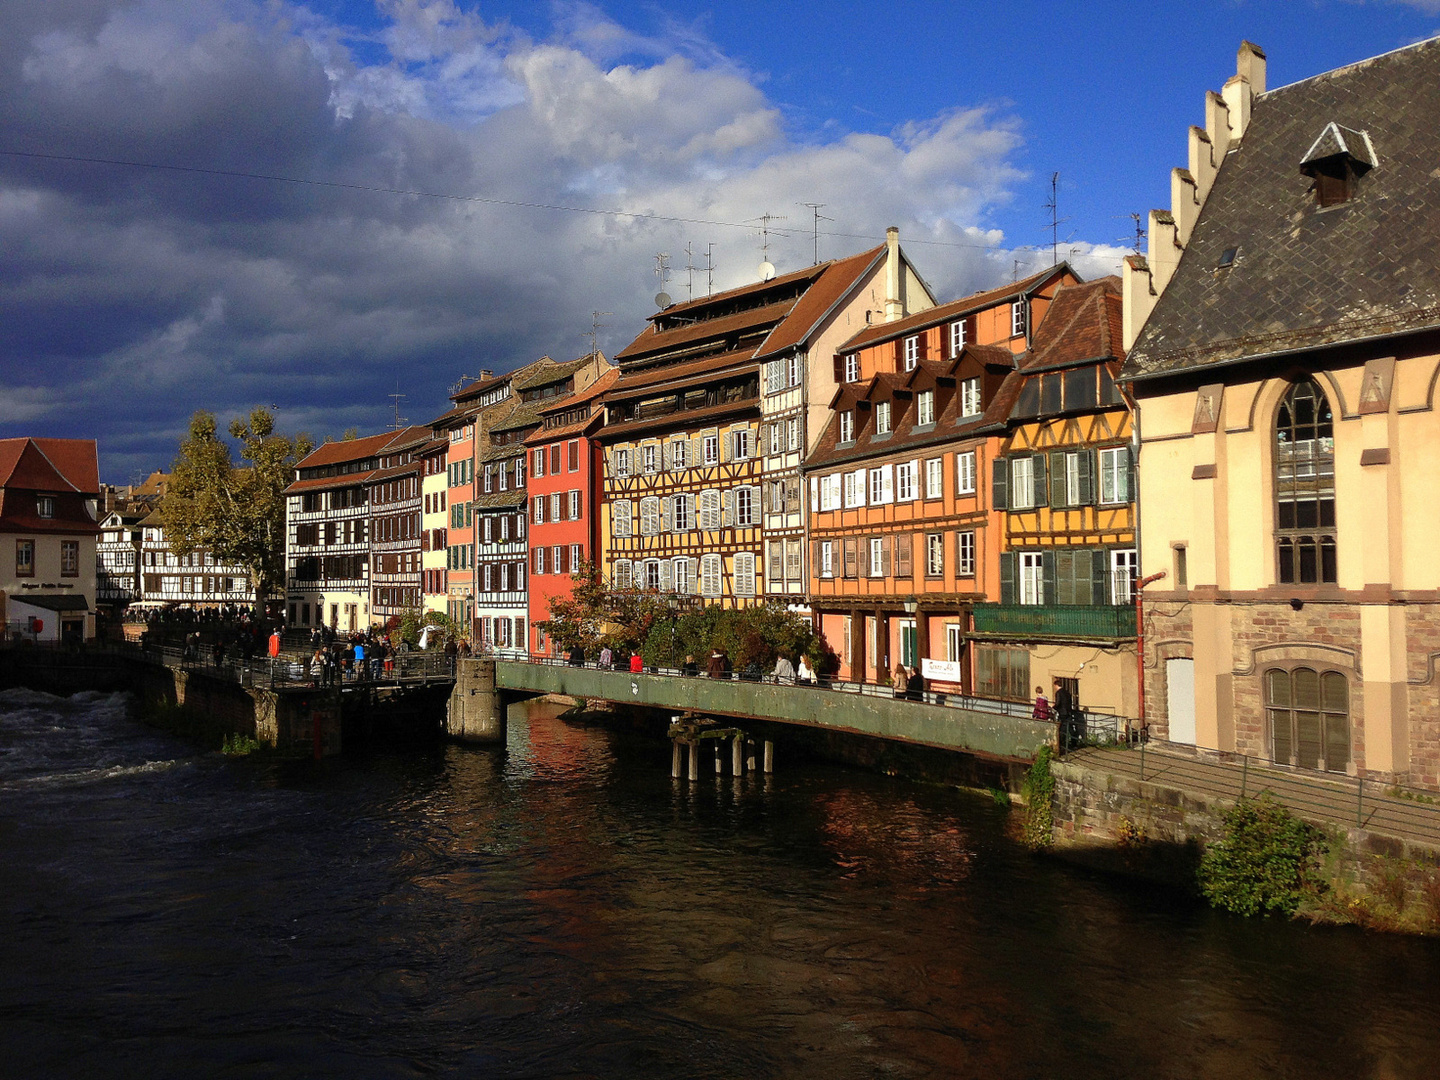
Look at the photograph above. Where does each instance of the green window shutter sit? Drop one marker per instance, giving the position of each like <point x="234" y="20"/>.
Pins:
<point x="1047" y="574"/>
<point x="1057" y="478"/>
<point x="1065" y="577"/>
<point x="1038" y="465"/>
<point x="1008" y="565"/>
<point x="1100" y="577"/>
<point x="1000" y="483"/>
<point x="1087" y="477"/>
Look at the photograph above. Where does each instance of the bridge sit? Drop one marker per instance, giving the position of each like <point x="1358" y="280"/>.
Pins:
<point x="484" y="687"/>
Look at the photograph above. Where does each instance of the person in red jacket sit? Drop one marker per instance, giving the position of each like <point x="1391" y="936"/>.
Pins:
<point x="637" y="665"/>
<point x="275" y="644"/>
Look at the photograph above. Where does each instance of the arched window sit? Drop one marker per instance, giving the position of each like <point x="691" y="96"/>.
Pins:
<point x="1309" y="714"/>
<point x="1305" y="486"/>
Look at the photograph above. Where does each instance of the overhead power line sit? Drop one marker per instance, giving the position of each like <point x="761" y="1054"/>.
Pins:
<point x="450" y="197"/>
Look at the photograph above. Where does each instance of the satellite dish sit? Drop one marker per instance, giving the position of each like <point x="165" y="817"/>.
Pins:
<point x="662" y="300"/>
<point x="767" y="270"/>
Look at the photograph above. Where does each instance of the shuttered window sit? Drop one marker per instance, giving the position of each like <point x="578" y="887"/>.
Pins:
<point x="710" y="509"/>
<point x="649" y="516"/>
<point x="620" y="518"/>
<point x="745" y="573"/>
<point x="710" y="571"/>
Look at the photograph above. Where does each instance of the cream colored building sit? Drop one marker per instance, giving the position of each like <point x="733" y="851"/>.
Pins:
<point x="1286" y="382"/>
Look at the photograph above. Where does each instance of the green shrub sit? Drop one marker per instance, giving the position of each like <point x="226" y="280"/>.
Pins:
<point x="1037" y="830"/>
<point x="239" y="745"/>
<point x="1263" y="864"/>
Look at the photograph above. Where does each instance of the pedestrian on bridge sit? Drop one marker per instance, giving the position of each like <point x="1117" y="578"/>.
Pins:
<point x="784" y="671"/>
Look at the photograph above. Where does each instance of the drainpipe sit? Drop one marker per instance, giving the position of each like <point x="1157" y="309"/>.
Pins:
<point x="1140" y="640"/>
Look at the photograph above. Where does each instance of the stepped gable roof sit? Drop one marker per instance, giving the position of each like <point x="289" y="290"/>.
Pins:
<point x="1082" y="324"/>
<point x="1302" y="276"/>
<point x="839" y="277"/>
<point x="941" y="313"/>
<point x="50" y="465"/>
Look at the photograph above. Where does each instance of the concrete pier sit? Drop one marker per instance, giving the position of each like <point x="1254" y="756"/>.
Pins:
<point x="477" y="710"/>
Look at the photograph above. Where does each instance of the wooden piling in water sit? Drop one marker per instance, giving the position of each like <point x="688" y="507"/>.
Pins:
<point x="737" y="766"/>
<point x="694" y="745"/>
<point x="769" y="757"/>
<point x="675" y="759"/>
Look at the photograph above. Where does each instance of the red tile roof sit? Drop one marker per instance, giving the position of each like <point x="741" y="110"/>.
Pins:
<point x="839" y="278"/>
<point x="333" y="453"/>
<point x="652" y="341"/>
<point x="1082" y="324"/>
<point x="944" y="312"/>
<point x="50" y="465"/>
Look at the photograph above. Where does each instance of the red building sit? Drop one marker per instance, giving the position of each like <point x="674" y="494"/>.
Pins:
<point x="565" y="471"/>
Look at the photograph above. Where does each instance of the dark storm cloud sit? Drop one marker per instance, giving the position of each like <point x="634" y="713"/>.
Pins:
<point x="130" y="297"/>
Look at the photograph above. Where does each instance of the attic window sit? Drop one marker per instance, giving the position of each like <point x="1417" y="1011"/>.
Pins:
<point x="1335" y="162"/>
<point x="1227" y="258"/>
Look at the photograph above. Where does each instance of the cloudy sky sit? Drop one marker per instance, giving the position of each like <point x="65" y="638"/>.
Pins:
<point x="365" y="196"/>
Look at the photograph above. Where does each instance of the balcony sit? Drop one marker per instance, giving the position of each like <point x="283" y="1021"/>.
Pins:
<point x="1056" y="621"/>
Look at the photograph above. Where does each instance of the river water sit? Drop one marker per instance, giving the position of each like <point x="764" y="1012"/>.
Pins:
<point x="563" y="909"/>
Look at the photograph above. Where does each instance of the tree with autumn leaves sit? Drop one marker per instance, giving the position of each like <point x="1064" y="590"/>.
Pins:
<point x="235" y="512"/>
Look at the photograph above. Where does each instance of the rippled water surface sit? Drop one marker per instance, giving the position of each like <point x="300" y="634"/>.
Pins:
<point x="562" y="909"/>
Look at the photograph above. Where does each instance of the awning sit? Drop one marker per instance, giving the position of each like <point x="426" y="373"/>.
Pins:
<point x="52" y="601"/>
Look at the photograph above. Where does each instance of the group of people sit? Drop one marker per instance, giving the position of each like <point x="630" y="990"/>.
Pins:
<point x="908" y="683"/>
<point x="334" y="659"/>
<point x="1064" y="712"/>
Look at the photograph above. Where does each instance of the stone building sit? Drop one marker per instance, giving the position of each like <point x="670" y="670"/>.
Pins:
<point x="1286" y="383"/>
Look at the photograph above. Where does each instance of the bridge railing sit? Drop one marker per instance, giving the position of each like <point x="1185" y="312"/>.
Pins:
<point x="1088" y="727"/>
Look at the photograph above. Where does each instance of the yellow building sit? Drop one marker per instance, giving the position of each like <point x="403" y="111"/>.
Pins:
<point x="1286" y="383"/>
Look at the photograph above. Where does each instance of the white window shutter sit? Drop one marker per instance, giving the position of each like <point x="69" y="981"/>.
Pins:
<point x="666" y="581"/>
<point x="860" y="482"/>
<point x="887" y="483"/>
<point x="727" y="509"/>
<point x="667" y="514"/>
<point x="694" y="575"/>
<point x="697" y="448"/>
<point x="814" y="492"/>
<point x="724" y="447"/>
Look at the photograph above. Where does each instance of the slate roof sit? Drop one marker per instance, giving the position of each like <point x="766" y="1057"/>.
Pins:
<point x="1305" y="277"/>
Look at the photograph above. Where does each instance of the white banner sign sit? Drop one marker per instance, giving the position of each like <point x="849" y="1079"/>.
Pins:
<point x="941" y="670"/>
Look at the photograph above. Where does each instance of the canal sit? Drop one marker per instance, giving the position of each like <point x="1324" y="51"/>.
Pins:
<point x="563" y="909"/>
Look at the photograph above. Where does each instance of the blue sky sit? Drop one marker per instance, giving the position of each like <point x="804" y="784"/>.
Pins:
<point x="131" y="297"/>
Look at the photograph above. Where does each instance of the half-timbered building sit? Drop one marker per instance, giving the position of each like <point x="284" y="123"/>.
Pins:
<point x="1064" y="479"/>
<point x="682" y="498"/>
<point x="396" y="525"/>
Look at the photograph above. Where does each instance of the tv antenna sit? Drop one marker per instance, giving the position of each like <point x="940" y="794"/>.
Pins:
<point x="458" y="383"/>
<point x="709" y="269"/>
<point x="1053" y="205"/>
<point x="766" y="268"/>
<point x="395" y="399"/>
<point x="594" y="332"/>
<point x="662" y="271"/>
<point x="1139" y="238"/>
<point x="690" y="269"/>
<point x="815" y="228"/>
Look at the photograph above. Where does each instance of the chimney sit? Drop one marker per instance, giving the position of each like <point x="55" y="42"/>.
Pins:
<point x="894" y="277"/>
<point x="486" y="373"/>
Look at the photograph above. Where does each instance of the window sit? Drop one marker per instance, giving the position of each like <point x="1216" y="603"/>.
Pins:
<point x="905" y="482"/>
<point x="957" y="337"/>
<point x="651" y="457"/>
<point x="792" y="561"/>
<point x="877" y="557"/>
<point x="652" y="574"/>
<point x="489" y="477"/>
<point x="710" y="446"/>
<point x="574" y="558"/>
<point x="684" y="513"/>
<point x="854" y="483"/>
<point x="488" y="572"/>
<point x="881" y="489"/>
<point x="557" y="559"/>
<point x="912" y="351"/>
<point x="740" y="444"/>
<point x="925" y="407"/>
<point x="649" y="516"/>
<point x="777" y="438"/>
<point x="573" y="455"/>
<point x="1032" y="578"/>
<point x="709" y="509"/>
<point x="792" y="433"/>
<point x="680" y="574"/>
<point x="827" y="558"/>
<point x="1115" y="483"/>
<point x="1305" y="486"/>
<point x="504" y="577"/>
<point x="934" y="555"/>
<point x="775" y="560"/>
<point x="710" y="570"/>
<point x="965" y="472"/>
<point x="678" y="454"/>
<point x="487" y="529"/>
<point x="574" y="506"/>
<point x="970" y="396"/>
<point x="1124" y="567"/>
<point x="847" y="426"/>
<point x="69" y="558"/>
<point x="882" y="417"/>
<point x="744" y="573"/>
<point x="744" y="506"/>
<point x="794" y="372"/>
<point x="1309" y="718"/>
<point x="965" y="554"/>
<point x="852" y="368"/>
<point x="1017" y="318"/>
<point x="622" y="574"/>
<point x="935" y="478"/>
<point x="505" y="476"/>
<point x="1022" y="484"/>
<point x="557" y="507"/>
<point x="539" y="463"/>
<point x="1002" y="673"/>
<point x="45" y="506"/>
<point x="774" y="376"/>
<point x="539" y="560"/>
<point x="24" y="558"/>
<point x="622" y="462"/>
<point x="620" y="518"/>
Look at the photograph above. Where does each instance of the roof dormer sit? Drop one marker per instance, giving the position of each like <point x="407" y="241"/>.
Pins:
<point x="1335" y="162"/>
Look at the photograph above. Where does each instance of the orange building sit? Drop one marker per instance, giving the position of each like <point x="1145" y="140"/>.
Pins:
<point x="563" y="486"/>
<point x="904" y="539"/>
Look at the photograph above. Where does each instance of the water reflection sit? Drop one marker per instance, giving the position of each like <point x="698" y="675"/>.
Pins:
<point x="563" y="908"/>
